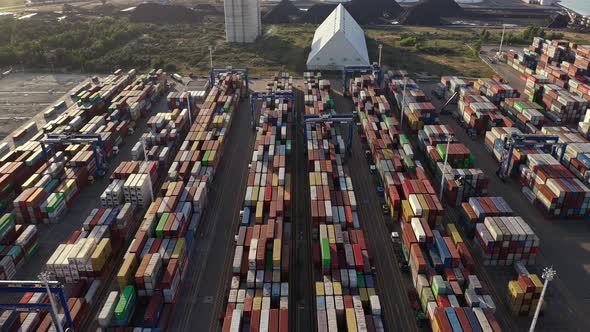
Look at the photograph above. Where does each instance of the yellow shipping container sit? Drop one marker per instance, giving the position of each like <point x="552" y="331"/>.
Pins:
<point x="276" y="254"/>
<point x="260" y="212"/>
<point x="454" y="233"/>
<point x="127" y="271"/>
<point x="337" y="288"/>
<point x="257" y="303"/>
<point x="331" y="234"/>
<point x="179" y="250"/>
<point x="371" y="292"/>
<point x="319" y="288"/>
<point x="537" y="282"/>
<point x="312" y="179"/>
<point x="101" y="254"/>
<point x="407" y="210"/>
<point x="255" y="190"/>
<point x="424" y="205"/>
<point x="350" y="320"/>
<point x="364" y="296"/>
<point x="275" y="180"/>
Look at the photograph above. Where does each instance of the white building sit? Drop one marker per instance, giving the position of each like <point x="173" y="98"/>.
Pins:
<point x="339" y="41"/>
<point x="242" y="20"/>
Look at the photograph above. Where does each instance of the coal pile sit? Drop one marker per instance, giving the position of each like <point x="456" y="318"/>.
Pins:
<point x="284" y="12"/>
<point x="430" y="12"/>
<point x="156" y="13"/>
<point x="363" y="11"/>
<point x="558" y="21"/>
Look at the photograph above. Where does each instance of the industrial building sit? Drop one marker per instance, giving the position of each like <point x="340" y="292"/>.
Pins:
<point x="242" y="20"/>
<point x="339" y="41"/>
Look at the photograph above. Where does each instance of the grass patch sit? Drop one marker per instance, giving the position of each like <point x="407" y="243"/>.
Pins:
<point x="11" y="3"/>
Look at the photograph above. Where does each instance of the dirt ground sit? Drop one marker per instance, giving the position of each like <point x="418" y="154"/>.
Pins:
<point x="24" y="95"/>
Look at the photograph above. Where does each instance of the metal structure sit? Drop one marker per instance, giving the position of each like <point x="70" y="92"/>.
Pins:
<point x="449" y="101"/>
<point x="243" y="71"/>
<point x="29" y="286"/>
<point x="444" y="170"/>
<point x="521" y="141"/>
<point x="331" y="118"/>
<point x="47" y="147"/>
<point x="349" y="70"/>
<point x="548" y="274"/>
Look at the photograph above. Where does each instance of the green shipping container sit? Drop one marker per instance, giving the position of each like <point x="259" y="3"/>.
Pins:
<point x="162" y="224"/>
<point x="360" y="280"/>
<point x="325" y="248"/>
<point x="124" y="306"/>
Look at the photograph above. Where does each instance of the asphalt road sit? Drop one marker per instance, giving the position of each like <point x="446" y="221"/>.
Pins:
<point x="392" y="286"/>
<point x="207" y="279"/>
<point x="565" y="245"/>
<point x="302" y="300"/>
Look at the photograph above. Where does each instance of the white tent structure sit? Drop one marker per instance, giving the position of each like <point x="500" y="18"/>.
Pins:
<point x="339" y="41"/>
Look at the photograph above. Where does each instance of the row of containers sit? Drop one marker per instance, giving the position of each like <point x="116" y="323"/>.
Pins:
<point x="558" y="189"/>
<point x="442" y="267"/>
<point x="145" y="240"/>
<point x="415" y="104"/>
<point x="41" y="191"/>
<point x="556" y="76"/>
<point x="345" y="285"/>
<point x="258" y="298"/>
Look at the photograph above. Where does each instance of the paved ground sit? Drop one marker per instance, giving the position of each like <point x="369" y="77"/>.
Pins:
<point x="510" y="75"/>
<point x="26" y="95"/>
<point x="209" y="273"/>
<point x="565" y="244"/>
<point x="392" y="286"/>
<point x="302" y="298"/>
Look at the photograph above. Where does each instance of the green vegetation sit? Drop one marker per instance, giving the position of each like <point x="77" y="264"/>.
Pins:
<point x="11" y="3"/>
<point x="102" y="44"/>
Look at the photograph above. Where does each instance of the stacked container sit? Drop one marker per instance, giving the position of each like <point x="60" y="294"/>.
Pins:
<point x="259" y="294"/>
<point x="505" y="240"/>
<point x="494" y="90"/>
<point x="524" y="294"/>
<point x="345" y="287"/>
<point x="414" y="103"/>
<point x="316" y="94"/>
<point x="478" y="112"/>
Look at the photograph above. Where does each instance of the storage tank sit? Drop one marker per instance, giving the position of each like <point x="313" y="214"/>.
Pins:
<point x="242" y="20"/>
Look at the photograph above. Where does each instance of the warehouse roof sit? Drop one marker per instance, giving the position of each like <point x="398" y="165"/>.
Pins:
<point x="341" y="29"/>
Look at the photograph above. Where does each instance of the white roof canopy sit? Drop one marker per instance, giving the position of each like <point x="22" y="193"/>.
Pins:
<point x="337" y="42"/>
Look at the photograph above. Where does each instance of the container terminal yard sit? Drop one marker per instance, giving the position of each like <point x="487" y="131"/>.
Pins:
<point x="311" y="201"/>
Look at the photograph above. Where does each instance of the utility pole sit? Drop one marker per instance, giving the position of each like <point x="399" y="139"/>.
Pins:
<point x="188" y="103"/>
<point x="148" y="176"/>
<point x="44" y="277"/>
<point x="501" y="41"/>
<point x="211" y="49"/>
<point x="380" y="48"/>
<point x="444" y="170"/>
<point x="548" y="274"/>
<point x="401" y="123"/>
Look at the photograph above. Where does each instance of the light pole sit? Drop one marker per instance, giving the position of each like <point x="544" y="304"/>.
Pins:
<point x="44" y="277"/>
<point x="188" y="103"/>
<point x="548" y="274"/>
<point x="401" y="123"/>
<point x="211" y="49"/>
<point x="148" y="176"/>
<point x="501" y="40"/>
<point x="442" y="180"/>
<point x="380" y="48"/>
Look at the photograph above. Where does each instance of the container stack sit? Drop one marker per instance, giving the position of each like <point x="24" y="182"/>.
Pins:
<point x="415" y="104"/>
<point x="478" y="112"/>
<point x="454" y="84"/>
<point x="316" y="92"/>
<point x="523" y="61"/>
<point x="495" y="91"/>
<point x="505" y="240"/>
<point x="494" y="142"/>
<point x="131" y="182"/>
<point x="533" y="89"/>
<point x="584" y="125"/>
<point x="259" y="294"/>
<point x="441" y="264"/>
<point x="345" y="288"/>
<point x="577" y="159"/>
<point x="18" y="243"/>
<point x="528" y="116"/>
<point x="557" y="192"/>
<point x="478" y="208"/>
<point x="282" y="82"/>
<point x="16" y="167"/>
<point x="524" y="294"/>
<point x="562" y="105"/>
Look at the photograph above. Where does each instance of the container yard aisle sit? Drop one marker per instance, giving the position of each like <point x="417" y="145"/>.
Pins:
<point x="393" y="286"/>
<point x="302" y="300"/>
<point x="203" y="290"/>
<point x="559" y="239"/>
<point x="51" y="235"/>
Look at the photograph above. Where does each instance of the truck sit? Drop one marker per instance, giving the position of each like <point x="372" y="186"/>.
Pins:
<point x="177" y="77"/>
